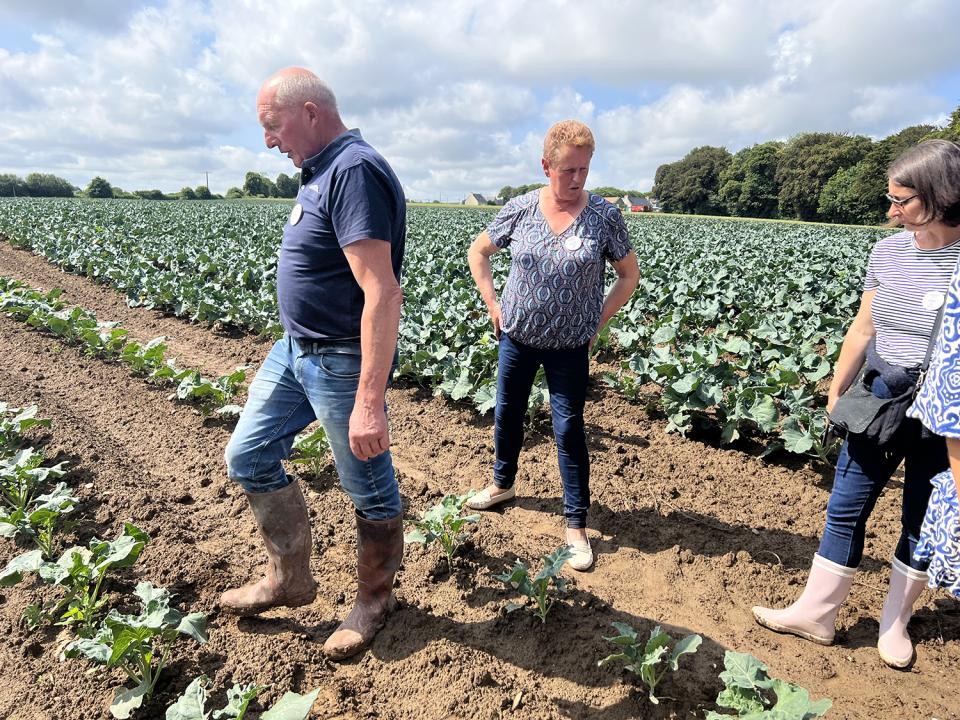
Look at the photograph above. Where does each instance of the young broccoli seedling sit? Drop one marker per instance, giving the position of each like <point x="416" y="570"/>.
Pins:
<point x="443" y="523"/>
<point x="645" y="658"/>
<point x="537" y="588"/>
<point x="750" y="692"/>
<point x="190" y="705"/>
<point x="139" y="645"/>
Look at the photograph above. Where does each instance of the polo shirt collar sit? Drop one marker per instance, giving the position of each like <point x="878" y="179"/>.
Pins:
<point x="318" y="162"/>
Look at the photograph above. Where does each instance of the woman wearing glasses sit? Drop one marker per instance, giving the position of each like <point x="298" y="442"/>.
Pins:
<point x="905" y="286"/>
<point x="561" y="238"/>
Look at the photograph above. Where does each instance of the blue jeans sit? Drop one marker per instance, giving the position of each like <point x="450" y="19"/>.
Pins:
<point x="567" y="372"/>
<point x="291" y="390"/>
<point x="863" y="469"/>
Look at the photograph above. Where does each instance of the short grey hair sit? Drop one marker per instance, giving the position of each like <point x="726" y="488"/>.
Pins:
<point x="932" y="169"/>
<point x="300" y="88"/>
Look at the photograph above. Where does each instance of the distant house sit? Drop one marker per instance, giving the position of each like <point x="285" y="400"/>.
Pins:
<point x="475" y="199"/>
<point x="637" y="204"/>
<point x="617" y="202"/>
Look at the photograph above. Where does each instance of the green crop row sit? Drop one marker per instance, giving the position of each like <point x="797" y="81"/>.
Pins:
<point x="735" y="324"/>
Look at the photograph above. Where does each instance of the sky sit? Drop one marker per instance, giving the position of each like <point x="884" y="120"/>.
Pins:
<point x="457" y="95"/>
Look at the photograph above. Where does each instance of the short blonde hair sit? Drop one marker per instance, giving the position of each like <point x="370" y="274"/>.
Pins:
<point x="567" y="132"/>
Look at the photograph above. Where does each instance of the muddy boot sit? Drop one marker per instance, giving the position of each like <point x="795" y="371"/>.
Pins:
<point x="379" y="552"/>
<point x="814" y="613"/>
<point x="906" y="584"/>
<point x="284" y="526"/>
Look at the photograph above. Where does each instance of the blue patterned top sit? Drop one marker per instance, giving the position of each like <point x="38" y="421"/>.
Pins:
<point x="554" y="293"/>
<point x="938" y="403"/>
<point x="938" y="407"/>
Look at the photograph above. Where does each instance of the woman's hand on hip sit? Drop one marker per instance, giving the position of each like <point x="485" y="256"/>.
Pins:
<point x="495" y="318"/>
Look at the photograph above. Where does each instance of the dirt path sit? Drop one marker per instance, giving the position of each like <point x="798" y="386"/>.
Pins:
<point x="687" y="535"/>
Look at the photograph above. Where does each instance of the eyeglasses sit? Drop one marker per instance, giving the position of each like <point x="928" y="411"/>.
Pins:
<point x="898" y="202"/>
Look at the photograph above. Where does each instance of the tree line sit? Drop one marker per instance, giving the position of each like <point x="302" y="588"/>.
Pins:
<point x="827" y="177"/>
<point x="46" y="185"/>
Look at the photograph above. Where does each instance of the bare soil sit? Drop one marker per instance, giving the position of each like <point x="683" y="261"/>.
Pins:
<point x="688" y="536"/>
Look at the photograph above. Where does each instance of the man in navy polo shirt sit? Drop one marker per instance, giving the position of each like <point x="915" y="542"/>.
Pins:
<point x="339" y="296"/>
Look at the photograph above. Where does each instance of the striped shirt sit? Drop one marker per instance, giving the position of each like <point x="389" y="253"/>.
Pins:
<point x="911" y="284"/>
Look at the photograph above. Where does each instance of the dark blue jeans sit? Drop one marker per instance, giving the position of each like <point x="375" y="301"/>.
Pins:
<point x="567" y="372"/>
<point x="863" y="469"/>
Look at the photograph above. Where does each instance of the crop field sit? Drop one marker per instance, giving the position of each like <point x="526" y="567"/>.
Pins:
<point x="735" y="324"/>
<point x="707" y="480"/>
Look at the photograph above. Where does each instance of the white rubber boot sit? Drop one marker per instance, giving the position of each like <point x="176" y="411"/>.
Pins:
<point x="814" y="614"/>
<point x="906" y="584"/>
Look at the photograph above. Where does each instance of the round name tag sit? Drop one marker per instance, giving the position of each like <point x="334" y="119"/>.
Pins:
<point x="933" y="300"/>
<point x="296" y="214"/>
<point x="573" y="243"/>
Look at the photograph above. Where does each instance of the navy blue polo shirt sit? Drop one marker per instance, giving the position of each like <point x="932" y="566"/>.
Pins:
<point x="348" y="193"/>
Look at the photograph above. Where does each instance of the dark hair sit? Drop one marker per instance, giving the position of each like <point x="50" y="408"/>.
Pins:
<point x="932" y="168"/>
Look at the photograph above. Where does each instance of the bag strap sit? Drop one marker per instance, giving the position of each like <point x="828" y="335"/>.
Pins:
<point x="930" y="345"/>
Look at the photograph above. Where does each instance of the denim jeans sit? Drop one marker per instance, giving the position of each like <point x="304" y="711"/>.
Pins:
<point x="567" y="372"/>
<point x="292" y="389"/>
<point x="863" y="469"/>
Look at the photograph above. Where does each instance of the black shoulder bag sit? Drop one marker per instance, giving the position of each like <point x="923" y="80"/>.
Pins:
<point x="859" y="412"/>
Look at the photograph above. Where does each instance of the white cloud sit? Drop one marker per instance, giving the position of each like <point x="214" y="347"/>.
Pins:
<point x="458" y="94"/>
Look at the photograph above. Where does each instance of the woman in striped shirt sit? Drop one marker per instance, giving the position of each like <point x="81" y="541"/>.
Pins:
<point x="906" y="283"/>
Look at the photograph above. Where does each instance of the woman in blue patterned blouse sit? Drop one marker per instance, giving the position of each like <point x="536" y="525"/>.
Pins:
<point x="560" y="236"/>
<point x="907" y="280"/>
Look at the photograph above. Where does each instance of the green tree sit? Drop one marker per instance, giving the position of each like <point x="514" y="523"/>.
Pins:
<point x="150" y="194"/>
<point x="690" y="185"/>
<point x="508" y="193"/>
<point x="99" y="188"/>
<point x="951" y="131"/>
<point x="202" y="192"/>
<point x="839" y="202"/>
<point x="287" y="187"/>
<point x="807" y="163"/>
<point x="12" y="186"/>
<point x="234" y="193"/>
<point x="187" y="193"/>
<point x="257" y="185"/>
<point x="747" y="186"/>
<point x="45" y="185"/>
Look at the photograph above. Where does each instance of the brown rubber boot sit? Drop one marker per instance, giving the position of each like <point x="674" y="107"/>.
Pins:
<point x="379" y="552"/>
<point x="284" y="526"/>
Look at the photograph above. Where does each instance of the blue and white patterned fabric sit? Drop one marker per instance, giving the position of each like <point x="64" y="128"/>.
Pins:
<point x="938" y="403"/>
<point x="940" y="536"/>
<point x="554" y="293"/>
<point x="938" y="407"/>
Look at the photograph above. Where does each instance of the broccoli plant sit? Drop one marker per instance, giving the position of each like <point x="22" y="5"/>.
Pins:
<point x="311" y="449"/>
<point x="753" y="694"/>
<point x="537" y="588"/>
<point x="209" y="395"/>
<point x="138" y="644"/>
<point x="80" y="572"/>
<point x="22" y="477"/>
<point x="40" y="521"/>
<point x="645" y="658"/>
<point x="14" y="422"/>
<point x="443" y="523"/>
<point x="190" y="705"/>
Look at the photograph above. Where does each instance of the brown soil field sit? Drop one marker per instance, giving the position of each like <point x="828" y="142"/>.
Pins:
<point x="688" y="536"/>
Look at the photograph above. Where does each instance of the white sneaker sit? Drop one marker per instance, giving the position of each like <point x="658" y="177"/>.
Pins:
<point x="484" y="501"/>
<point x="582" y="555"/>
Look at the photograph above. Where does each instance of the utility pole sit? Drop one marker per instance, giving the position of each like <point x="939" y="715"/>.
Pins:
<point x="207" y="174"/>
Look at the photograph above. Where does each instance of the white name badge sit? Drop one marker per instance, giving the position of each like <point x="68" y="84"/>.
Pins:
<point x="573" y="243"/>
<point x="296" y="214"/>
<point x="933" y="300"/>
